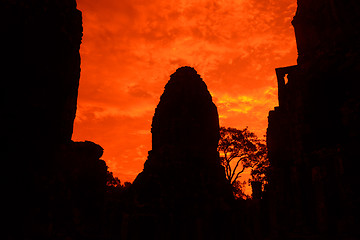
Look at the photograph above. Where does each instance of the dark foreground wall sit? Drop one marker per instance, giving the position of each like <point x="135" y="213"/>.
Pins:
<point x="40" y="52"/>
<point x="41" y="167"/>
<point x="313" y="135"/>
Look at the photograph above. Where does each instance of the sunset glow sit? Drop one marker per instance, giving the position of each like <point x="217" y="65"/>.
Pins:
<point x="131" y="47"/>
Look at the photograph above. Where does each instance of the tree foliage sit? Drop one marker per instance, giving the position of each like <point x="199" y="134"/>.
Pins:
<point x="112" y="181"/>
<point x="113" y="184"/>
<point x="259" y="173"/>
<point x="240" y="150"/>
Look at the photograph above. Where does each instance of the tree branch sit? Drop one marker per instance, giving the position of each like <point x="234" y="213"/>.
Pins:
<point x="236" y="166"/>
<point x="237" y="175"/>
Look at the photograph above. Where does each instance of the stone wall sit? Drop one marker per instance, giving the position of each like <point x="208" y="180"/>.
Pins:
<point x="313" y="134"/>
<point x="53" y="186"/>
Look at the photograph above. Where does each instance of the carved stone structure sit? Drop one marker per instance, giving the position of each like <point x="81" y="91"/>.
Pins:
<point x="314" y="133"/>
<point x="45" y="172"/>
<point x="42" y="67"/>
<point x="182" y="190"/>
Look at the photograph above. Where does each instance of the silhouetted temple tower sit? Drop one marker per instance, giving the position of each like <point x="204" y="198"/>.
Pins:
<point x="183" y="179"/>
<point x="185" y="134"/>
<point x="185" y="126"/>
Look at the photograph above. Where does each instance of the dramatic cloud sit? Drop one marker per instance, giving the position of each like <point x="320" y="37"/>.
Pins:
<point x="131" y="47"/>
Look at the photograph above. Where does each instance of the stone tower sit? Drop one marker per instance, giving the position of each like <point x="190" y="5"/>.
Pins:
<point x="182" y="177"/>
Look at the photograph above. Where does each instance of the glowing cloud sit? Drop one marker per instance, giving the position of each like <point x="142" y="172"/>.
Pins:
<point x="131" y="47"/>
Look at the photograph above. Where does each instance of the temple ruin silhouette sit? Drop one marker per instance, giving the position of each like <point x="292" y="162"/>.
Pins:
<point x="53" y="186"/>
<point x="182" y="189"/>
<point x="57" y="189"/>
<point x="313" y="135"/>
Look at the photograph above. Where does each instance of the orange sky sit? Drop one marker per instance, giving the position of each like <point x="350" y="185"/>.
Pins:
<point x="131" y="47"/>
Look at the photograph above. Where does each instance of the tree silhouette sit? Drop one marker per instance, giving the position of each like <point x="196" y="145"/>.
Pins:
<point x="259" y="172"/>
<point x="240" y="150"/>
<point x="112" y="181"/>
<point x="113" y="184"/>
